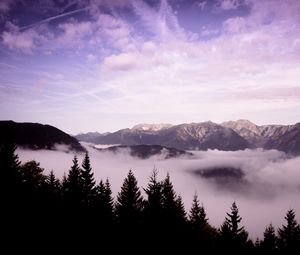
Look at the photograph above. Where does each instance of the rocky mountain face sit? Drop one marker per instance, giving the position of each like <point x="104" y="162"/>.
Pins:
<point x="194" y="136"/>
<point x="231" y="135"/>
<point x="280" y="137"/>
<point x="36" y="136"/>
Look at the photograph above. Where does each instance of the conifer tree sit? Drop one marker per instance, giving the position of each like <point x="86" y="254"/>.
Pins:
<point x="74" y="185"/>
<point x="289" y="235"/>
<point x="197" y="215"/>
<point x="231" y="235"/>
<point x="104" y="203"/>
<point x="154" y="204"/>
<point x="129" y="203"/>
<point x="269" y="243"/>
<point x="88" y="183"/>
<point x="10" y="170"/>
<point x="173" y="209"/>
<point x="53" y="190"/>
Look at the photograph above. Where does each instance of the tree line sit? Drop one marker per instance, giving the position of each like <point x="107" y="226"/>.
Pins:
<point x="78" y="212"/>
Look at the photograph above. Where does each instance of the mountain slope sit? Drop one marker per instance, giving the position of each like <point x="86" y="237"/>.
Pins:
<point x="231" y="135"/>
<point x="280" y="137"/>
<point x="202" y="136"/>
<point x="36" y="136"/>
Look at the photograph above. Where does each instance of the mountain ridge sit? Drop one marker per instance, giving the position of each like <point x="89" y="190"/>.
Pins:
<point x="230" y="135"/>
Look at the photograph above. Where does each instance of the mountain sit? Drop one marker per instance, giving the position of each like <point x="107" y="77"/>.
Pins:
<point x="200" y="136"/>
<point x="145" y="151"/>
<point x="36" y="136"/>
<point x="88" y="137"/>
<point x="151" y="127"/>
<point x="280" y="137"/>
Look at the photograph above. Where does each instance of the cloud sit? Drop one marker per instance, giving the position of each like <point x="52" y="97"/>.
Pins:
<point x="273" y="180"/>
<point x="148" y="57"/>
<point x="116" y="32"/>
<point x="20" y="41"/>
<point x="234" y="25"/>
<point x="162" y="23"/>
<point x="91" y="58"/>
<point x="122" y="62"/>
<point x="229" y="4"/>
<point x="75" y="33"/>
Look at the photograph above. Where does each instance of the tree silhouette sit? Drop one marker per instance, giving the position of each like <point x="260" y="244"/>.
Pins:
<point x="231" y="235"/>
<point x="129" y="203"/>
<point x="32" y="176"/>
<point x="268" y="244"/>
<point x="174" y="215"/>
<point x="104" y="203"/>
<point x="53" y="191"/>
<point x="10" y="171"/>
<point x="88" y="183"/>
<point x="74" y="186"/>
<point x="289" y="235"/>
<point x="153" y="211"/>
<point x="197" y="215"/>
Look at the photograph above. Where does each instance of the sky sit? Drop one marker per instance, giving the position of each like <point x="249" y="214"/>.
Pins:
<point x="103" y="65"/>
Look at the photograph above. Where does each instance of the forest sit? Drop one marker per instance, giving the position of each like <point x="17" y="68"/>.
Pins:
<point x="78" y="213"/>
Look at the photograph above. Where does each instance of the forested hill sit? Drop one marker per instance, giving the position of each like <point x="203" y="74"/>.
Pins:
<point x="36" y="136"/>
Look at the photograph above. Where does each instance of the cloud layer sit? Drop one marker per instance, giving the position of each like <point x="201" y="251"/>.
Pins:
<point x="272" y="180"/>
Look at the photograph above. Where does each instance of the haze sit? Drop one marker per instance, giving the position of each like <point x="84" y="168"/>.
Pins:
<point x="273" y="180"/>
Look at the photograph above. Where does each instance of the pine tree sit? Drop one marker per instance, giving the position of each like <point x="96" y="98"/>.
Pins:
<point x="289" y="235"/>
<point x="180" y="211"/>
<point x="268" y="244"/>
<point x="10" y="171"/>
<point x="53" y="190"/>
<point x="88" y="183"/>
<point x="104" y="203"/>
<point x="154" y="204"/>
<point x="74" y="186"/>
<point x="197" y="215"/>
<point x="231" y="235"/>
<point x="173" y="209"/>
<point x="129" y="203"/>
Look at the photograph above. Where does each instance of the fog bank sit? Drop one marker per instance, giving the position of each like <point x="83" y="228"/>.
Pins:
<point x="270" y="186"/>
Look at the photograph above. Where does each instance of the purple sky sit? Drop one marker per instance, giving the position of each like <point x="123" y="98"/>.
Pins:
<point x="108" y="64"/>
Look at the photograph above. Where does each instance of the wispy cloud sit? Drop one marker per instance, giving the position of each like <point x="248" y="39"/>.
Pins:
<point x="122" y="56"/>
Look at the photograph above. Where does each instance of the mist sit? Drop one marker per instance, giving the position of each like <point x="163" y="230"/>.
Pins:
<point x="269" y="187"/>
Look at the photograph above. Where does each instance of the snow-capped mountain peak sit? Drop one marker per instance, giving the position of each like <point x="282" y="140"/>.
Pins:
<point x="151" y="127"/>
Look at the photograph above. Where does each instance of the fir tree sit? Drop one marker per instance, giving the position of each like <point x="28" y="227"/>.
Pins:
<point x="154" y="204"/>
<point x="231" y="235"/>
<point x="173" y="209"/>
<point x="289" y="235"/>
<point x="104" y="203"/>
<point x="88" y="183"/>
<point x="74" y="185"/>
<point x="10" y="170"/>
<point x="53" y="190"/>
<point x="268" y="244"/>
<point x="197" y="215"/>
<point x="129" y="203"/>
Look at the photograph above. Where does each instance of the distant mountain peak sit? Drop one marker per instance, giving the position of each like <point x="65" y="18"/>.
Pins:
<point x="151" y="127"/>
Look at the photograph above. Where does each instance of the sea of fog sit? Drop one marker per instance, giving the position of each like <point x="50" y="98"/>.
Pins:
<point x="271" y="183"/>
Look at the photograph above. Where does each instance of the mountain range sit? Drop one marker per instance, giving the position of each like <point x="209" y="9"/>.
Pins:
<point x="231" y="135"/>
